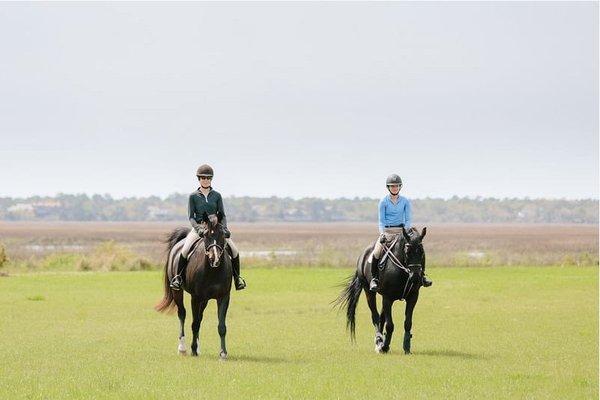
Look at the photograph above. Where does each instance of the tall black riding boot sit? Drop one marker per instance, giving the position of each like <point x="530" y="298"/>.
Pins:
<point x="375" y="274"/>
<point x="178" y="279"/>
<point x="237" y="279"/>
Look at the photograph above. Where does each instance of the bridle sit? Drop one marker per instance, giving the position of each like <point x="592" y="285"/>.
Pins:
<point x="408" y="269"/>
<point x="218" y="254"/>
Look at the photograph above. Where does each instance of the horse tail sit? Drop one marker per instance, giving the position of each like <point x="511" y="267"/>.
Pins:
<point x="171" y="240"/>
<point x="348" y="299"/>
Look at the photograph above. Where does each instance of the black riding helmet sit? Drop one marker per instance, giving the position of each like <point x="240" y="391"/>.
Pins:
<point x="393" y="179"/>
<point x="204" y="170"/>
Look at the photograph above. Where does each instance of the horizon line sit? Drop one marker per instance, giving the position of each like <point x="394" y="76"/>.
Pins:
<point x="467" y="197"/>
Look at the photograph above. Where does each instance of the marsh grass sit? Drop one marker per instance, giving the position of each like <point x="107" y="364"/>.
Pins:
<point x="139" y="246"/>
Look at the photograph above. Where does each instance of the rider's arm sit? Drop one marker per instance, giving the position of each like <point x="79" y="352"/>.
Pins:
<point x="407" y="214"/>
<point x="191" y="214"/>
<point x="381" y="215"/>
<point x="221" y="209"/>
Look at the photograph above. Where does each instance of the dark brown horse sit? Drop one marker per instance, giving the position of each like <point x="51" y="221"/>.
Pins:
<point x="208" y="276"/>
<point x="401" y="275"/>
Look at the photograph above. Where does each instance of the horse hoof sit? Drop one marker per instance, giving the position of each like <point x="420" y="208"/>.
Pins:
<point x="222" y="356"/>
<point x="407" y="352"/>
<point x="194" y="354"/>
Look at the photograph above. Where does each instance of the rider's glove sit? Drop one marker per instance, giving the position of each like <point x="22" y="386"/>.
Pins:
<point x="382" y="238"/>
<point x="226" y="233"/>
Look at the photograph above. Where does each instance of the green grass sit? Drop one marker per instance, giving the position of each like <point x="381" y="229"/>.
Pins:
<point x="478" y="333"/>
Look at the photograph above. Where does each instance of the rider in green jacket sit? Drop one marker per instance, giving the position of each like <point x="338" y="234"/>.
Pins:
<point x="209" y="201"/>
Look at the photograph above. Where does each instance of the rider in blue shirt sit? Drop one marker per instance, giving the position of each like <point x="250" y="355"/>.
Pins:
<point x="395" y="212"/>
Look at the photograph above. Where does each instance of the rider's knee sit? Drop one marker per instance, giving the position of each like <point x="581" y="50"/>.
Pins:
<point x="233" y="248"/>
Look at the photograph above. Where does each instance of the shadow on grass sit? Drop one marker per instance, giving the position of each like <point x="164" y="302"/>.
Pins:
<point x="259" y="359"/>
<point x="450" y="353"/>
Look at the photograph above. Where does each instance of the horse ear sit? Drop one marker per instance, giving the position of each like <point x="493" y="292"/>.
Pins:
<point x="423" y="232"/>
<point x="405" y="234"/>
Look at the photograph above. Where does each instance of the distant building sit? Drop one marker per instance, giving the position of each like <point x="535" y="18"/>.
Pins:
<point x="20" y="208"/>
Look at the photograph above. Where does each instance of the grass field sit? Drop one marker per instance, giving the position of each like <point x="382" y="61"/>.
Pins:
<point x="495" y="333"/>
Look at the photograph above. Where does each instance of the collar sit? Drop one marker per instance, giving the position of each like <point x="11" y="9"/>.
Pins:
<point x="210" y="189"/>
<point x="389" y="197"/>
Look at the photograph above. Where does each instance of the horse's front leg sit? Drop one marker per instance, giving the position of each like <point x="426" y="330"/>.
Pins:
<point x="372" y="303"/>
<point x="389" y="323"/>
<point x="198" y="307"/>
<point x="408" y="313"/>
<point x="222" y="306"/>
<point x="178" y="298"/>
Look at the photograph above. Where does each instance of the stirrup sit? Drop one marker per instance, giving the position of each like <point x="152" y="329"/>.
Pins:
<point x="374" y="285"/>
<point x="176" y="282"/>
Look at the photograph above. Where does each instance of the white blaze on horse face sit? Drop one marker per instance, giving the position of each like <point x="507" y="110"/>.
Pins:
<point x="215" y="253"/>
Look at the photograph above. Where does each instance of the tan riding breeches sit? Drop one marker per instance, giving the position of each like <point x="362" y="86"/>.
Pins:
<point x="191" y="238"/>
<point x="389" y="234"/>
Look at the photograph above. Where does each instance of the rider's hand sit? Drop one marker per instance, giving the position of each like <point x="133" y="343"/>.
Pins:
<point x="382" y="238"/>
<point x="226" y="233"/>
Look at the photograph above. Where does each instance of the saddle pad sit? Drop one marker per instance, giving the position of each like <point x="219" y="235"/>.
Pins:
<point x="176" y="253"/>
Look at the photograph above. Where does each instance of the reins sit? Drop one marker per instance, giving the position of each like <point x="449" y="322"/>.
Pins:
<point x="398" y="263"/>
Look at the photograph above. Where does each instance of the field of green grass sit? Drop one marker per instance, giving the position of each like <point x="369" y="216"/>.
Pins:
<point x="522" y="332"/>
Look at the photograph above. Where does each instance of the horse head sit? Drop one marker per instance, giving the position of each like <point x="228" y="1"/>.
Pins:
<point x="414" y="253"/>
<point x="214" y="238"/>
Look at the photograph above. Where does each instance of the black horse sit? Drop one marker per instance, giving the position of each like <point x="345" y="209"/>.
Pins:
<point x="208" y="276"/>
<point x="400" y="278"/>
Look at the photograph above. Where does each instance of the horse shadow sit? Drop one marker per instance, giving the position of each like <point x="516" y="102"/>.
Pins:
<point x="451" y="354"/>
<point x="259" y="359"/>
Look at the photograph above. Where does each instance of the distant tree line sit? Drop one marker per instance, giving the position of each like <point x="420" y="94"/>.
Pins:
<point x="81" y="207"/>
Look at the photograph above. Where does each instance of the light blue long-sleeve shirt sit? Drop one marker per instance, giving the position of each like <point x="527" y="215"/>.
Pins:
<point x="394" y="214"/>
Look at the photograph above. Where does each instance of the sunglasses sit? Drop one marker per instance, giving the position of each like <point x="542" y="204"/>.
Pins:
<point x="205" y="178"/>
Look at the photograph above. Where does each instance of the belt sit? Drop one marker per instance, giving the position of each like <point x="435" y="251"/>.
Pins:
<point x="394" y="226"/>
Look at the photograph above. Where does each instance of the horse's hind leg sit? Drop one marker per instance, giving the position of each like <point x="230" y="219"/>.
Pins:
<point x="411" y="302"/>
<point x="178" y="298"/>
<point x="198" y="307"/>
<point x="222" y="306"/>
<point x="372" y="303"/>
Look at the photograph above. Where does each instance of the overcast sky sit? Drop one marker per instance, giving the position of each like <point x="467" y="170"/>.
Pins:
<point x="300" y="99"/>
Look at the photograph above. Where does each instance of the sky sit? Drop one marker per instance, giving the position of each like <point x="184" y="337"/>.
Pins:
<point x="305" y="99"/>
